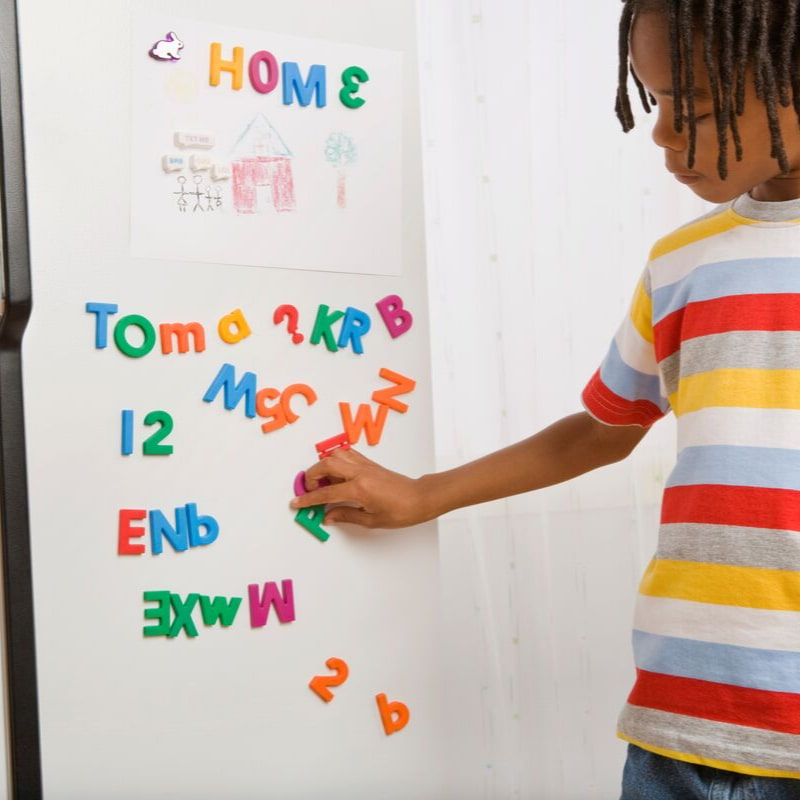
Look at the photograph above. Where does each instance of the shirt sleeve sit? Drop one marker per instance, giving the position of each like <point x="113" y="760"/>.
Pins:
<point x="627" y="388"/>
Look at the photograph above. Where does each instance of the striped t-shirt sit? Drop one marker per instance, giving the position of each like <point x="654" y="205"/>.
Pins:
<point x="713" y="335"/>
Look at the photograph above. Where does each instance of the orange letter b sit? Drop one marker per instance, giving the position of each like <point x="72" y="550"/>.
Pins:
<point x="394" y="715"/>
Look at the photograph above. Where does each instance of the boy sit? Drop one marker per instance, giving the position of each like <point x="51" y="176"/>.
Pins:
<point x="714" y="336"/>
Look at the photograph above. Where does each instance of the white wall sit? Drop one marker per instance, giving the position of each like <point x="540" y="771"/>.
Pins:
<point x="540" y="214"/>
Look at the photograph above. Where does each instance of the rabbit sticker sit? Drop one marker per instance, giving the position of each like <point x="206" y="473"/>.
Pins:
<point x="167" y="49"/>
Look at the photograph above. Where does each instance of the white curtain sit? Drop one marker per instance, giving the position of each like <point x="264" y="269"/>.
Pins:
<point x="540" y="214"/>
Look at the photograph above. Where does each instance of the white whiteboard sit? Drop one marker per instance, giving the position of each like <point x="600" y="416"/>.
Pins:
<point x="228" y="712"/>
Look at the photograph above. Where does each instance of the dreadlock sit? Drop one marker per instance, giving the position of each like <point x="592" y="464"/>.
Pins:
<point x="737" y="34"/>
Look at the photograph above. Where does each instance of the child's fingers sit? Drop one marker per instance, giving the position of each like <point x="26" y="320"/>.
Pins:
<point x="356" y="516"/>
<point x="341" y="465"/>
<point x="346" y="481"/>
<point x="334" y="472"/>
<point x="334" y="493"/>
<point x="345" y="456"/>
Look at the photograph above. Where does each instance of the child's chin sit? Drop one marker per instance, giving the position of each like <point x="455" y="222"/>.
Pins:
<point x="714" y="193"/>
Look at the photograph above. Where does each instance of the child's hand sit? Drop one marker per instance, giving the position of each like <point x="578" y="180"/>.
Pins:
<point x="374" y="496"/>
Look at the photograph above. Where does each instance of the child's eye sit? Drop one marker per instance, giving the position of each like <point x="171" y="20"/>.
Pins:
<point x="701" y="118"/>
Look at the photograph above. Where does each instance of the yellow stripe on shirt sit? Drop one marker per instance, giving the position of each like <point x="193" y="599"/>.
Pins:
<point x="737" y="388"/>
<point x="721" y="584"/>
<point x="745" y="769"/>
<point x="695" y="231"/>
<point x="642" y="313"/>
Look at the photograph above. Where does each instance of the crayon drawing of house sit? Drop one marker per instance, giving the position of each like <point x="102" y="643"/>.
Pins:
<point x="261" y="170"/>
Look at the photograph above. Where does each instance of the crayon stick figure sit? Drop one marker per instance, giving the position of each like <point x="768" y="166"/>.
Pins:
<point x="197" y="193"/>
<point x="182" y="202"/>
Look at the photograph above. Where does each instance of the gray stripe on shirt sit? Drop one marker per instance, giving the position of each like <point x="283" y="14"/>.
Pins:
<point x="733" y="350"/>
<point x="729" y="544"/>
<point x="715" y="741"/>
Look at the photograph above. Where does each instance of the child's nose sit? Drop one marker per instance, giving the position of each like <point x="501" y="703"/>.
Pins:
<point x="665" y="135"/>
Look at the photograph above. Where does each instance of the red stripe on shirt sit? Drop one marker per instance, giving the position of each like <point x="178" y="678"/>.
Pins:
<point x="747" y="506"/>
<point x="613" y="409"/>
<point x="721" y="702"/>
<point x="745" y="312"/>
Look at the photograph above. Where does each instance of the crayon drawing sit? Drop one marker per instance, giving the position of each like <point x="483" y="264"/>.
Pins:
<point x="262" y="170"/>
<point x="340" y="151"/>
<point x="203" y="197"/>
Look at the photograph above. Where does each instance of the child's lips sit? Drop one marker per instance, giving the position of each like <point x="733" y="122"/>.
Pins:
<point x="686" y="177"/>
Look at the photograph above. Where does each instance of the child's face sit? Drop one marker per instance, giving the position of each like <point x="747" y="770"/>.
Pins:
<point x="757" y="172"/>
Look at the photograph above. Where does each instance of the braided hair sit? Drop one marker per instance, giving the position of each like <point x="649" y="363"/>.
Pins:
<point x="761" y="35"/>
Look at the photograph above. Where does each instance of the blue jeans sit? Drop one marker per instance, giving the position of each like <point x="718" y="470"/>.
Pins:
<point x="648" y="776"/>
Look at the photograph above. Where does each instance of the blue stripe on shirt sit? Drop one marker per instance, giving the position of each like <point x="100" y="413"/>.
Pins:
<point x="769" y="670"/>
<point x="727" y="278"/>
<point x="731" y="465"/>
<point x="627" y="382"/>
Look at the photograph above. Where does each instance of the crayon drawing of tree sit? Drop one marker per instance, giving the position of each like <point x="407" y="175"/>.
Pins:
<point x="340" y="151"/>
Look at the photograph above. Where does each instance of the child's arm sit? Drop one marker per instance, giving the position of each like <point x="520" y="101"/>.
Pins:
<point x="379" y="498"/>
